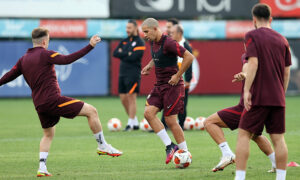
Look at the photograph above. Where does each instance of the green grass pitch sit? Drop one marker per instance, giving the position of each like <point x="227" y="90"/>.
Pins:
<point x="73" y="152"/>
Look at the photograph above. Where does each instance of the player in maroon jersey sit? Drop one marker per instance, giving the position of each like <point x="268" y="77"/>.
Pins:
<point x="230" y="118"/>
<point x="168" y="91"/>
<point x="268" y="71"/>
<point x="37" y="67"/>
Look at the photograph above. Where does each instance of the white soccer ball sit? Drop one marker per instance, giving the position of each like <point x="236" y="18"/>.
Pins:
<point x="145" y="126"/>
<point x="189" y="123"/>
<point x="114" y="124"/>
<point x="182" y="158"/>
<point x="199" y="123"/>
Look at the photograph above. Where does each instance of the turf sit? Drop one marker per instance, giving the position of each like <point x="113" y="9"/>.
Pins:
<point x="73" y="153"/>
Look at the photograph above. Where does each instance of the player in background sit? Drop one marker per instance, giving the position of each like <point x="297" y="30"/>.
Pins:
<point x="177" y="35"/>
<point x="268" y="71"/>
<point x="37" y="67"/>
<point x="230" y="118"/>
<point x="168" y="91"/>
<point x="130" y="51"/>
<point x="170" y="23"/>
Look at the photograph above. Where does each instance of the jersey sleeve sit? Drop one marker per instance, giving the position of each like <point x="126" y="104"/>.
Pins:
<point x="137" y="52"/>
<point x="250" y="46"/>
<point x="57" y="58"/>
<point x="12" y="74"/>
<point x="172" y="47"/>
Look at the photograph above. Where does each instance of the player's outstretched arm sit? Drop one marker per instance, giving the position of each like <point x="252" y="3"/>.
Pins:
<point x="11" y="75"/>
<point x="251" y="73"/>
<point x="146" y="70"/>
<point x="186" y="63"/>
<point x="56" y="58"/>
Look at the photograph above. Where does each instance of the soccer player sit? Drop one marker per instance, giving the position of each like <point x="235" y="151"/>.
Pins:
<point x="130" y="51"/>
<point x="268" y="71"/>
<point x="177" y="35"/>
<point x="168" y="91"/>
<point x="37" y="67"/>
<point x="230" y="118"/>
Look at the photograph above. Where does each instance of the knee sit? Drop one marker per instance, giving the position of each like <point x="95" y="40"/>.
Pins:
<point x="148" y="115"/>
<point x="92" y="111"/>
<point x="207" y="122"/>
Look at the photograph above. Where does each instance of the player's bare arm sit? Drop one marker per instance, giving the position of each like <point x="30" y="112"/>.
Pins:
<point x="251" y="73"/>
<point x="286" y="77"/>
<point x="146" y="70"/>
<point x="186" y="62"/>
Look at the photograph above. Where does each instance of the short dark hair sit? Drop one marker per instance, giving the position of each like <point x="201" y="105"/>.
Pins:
<point x="39" y="33"/>
<point x="132" y="21"/>
<point x="261" y="11"/>
<point x="174" y="21"/>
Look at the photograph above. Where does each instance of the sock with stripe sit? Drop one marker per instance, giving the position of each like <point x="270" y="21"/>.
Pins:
<point x="43" y="159"/>
<point x="100" y="139"/>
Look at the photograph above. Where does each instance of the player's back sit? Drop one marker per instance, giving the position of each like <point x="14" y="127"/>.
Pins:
<point x="272" y="50"/>
<point x="39" y="75"/>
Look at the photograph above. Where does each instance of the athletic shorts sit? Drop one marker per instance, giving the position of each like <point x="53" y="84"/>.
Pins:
<point x="254" y="120"/>
<point x="231" y="116"/>
<point x="50" y="113"/>
<point x="129" y="85"/>
<point x="167" y="97"/>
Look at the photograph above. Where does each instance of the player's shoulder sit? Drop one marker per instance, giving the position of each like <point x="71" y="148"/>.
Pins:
<point x="140" y="40"/>
<point x="49" y="53"/>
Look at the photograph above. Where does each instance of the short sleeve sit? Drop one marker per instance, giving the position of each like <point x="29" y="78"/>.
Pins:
<point x="172" y="47"/>
<point x="250" y="46"/>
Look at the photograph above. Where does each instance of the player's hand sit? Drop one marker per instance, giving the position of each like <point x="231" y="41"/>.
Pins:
<point x="174" y="80"/>
<point x="120" y="50"/>
<point x="146" y="70"/>
<point x="239" y="77"/>
<point x="129" y="53"/>
<point x="247" y="100"/>
<point x="94" y="40"/>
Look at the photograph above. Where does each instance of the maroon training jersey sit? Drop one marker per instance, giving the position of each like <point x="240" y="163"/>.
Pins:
<point x="164" y="53"/>
<point x="273" y="54"/>
<point x="37" y="67"/>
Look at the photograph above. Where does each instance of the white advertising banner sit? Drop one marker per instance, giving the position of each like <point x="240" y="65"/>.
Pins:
<point x="54" y="8"/>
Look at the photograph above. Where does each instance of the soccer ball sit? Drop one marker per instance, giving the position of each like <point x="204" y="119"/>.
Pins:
<point x="199" y="123"/>
<point x="182" y="158"/>
<point x="114" y="124"/>
<point x="189" y="123"/>
<point x="145" y="126"/>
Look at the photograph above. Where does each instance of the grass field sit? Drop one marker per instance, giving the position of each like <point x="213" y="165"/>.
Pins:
<point x="73" y="153"/>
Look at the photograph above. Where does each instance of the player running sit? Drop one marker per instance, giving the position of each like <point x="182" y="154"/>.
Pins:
<point x="37" y="67"/>
<point x="130" y="51"/>
<point x="230" y="118"/>
<point x="268" y="72"/>
<point x="168" y="91"/>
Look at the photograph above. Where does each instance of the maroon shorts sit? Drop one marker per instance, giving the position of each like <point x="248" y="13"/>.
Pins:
<point x="231" y="116"/>
<point x="50" y="113"/>
<point x="167" y="97"/>
<point x="254" y="120"/>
